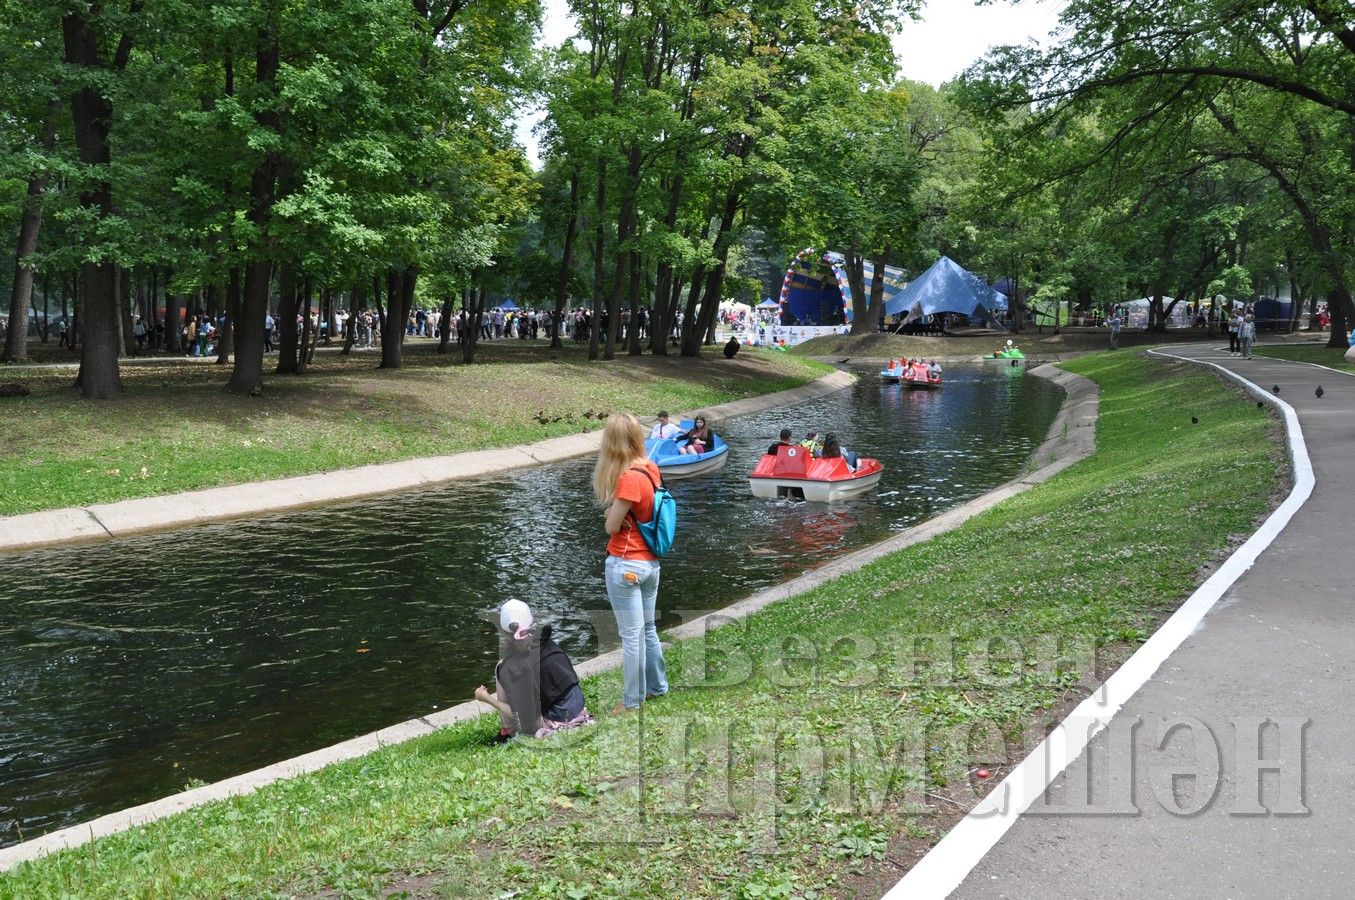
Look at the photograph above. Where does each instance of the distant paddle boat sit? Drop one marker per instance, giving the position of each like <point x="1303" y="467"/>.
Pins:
<point x="892" y="373"/>
<point x="794" y="472"/>
<point x="1009" y="352"/>
<point x="675" y="465"/>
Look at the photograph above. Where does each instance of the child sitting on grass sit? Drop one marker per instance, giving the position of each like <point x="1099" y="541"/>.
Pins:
<point x="537" y="690"/>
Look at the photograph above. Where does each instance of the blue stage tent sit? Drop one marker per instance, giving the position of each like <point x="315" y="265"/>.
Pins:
<point x="507" y="304"/>
<point x="946" y="288"/>
<point x="813" y="296"/>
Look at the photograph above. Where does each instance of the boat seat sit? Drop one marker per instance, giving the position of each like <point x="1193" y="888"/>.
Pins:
<point x="792" y="462"/>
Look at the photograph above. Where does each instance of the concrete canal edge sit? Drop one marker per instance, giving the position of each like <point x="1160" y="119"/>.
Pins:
<point x="100" y="522"/>
<point x="1071" y="438"/>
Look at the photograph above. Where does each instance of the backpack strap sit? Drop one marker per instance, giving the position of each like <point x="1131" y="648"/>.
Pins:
<point x="644" y="471"/>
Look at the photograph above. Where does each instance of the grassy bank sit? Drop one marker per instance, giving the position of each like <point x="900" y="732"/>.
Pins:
<point x="1035" y="343"/>
<point x="1331" y="357"/>
<point x="816" y="749"/>
<point x="177" y="430"/>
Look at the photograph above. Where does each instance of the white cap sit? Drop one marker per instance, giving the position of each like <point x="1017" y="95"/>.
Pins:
<point x="514" y="612"/>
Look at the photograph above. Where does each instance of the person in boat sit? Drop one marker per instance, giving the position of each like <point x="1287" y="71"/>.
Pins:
<point x="783" y="441"/>
<point x="624" y="484"/>
<point x="812" y="443"/>
<point x="663" y="429"/>
<point x="832" y="449"/>
<point x="934" y="370"/>
<point x="536" y="689"/>
<point x="698" y="440"/>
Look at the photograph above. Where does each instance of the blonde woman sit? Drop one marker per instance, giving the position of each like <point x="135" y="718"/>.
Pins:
<point x="624" y="482"/>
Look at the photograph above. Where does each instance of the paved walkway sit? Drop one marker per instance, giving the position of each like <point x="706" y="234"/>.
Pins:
<point x="1280" y="644"/>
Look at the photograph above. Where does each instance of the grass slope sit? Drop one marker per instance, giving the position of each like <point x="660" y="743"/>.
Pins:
<point x="177" y="430"/>
<point x="972" y="345"/>
<point x="815" y="749"/>
<point x="1321" y="354"/>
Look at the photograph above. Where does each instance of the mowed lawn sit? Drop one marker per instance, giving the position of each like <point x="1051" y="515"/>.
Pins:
<point x="815" y="749"/>
<point x="178" y="430"/>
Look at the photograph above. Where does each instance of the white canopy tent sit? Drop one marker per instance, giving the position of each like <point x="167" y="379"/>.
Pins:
<point x="1136" y="313"/>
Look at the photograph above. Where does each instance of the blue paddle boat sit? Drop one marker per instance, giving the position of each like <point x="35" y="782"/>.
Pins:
<point x="675" y="465"/>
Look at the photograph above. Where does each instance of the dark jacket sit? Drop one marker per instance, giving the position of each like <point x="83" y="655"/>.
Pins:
<point x="537" y="680"/>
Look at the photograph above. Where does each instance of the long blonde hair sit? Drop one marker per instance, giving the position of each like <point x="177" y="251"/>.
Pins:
<point x="623" y="445"/>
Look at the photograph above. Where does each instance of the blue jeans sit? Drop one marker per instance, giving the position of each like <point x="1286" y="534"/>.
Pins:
<point x="633" y="591"/>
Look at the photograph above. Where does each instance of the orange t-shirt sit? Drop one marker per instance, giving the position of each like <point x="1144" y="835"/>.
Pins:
<point x="628" y="543"/>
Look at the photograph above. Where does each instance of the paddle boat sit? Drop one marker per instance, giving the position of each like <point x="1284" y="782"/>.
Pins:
<point x="921" y="381"/>
<point x="1008" y="352"/>
<point x="794" y="472"/>
<point x="675" y="465"/>
<point x="892" y="373"/>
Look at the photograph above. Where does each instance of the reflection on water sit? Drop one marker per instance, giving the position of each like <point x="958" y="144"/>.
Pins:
<point x="129" y="668"/>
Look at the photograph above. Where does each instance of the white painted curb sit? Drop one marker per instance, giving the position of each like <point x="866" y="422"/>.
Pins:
<point x="947" y="865"/>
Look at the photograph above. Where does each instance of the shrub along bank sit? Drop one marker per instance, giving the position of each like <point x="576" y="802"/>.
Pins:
<point x="816" y="748"/>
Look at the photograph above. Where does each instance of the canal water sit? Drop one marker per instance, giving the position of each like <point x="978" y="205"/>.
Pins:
<point x="132" y="668"/>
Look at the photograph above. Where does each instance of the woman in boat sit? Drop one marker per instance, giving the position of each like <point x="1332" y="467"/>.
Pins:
<point x="624" y="482"/>
<point x="698" y="440"/>
<point x="536" y="689"/>
<point x="832" y="449"/>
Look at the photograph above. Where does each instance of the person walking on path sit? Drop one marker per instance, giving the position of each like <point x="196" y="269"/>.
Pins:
<point x="1234" y="326"/>
<point x="1246" y="335"/>
<point x="1114" y="325"/>
<point x="624" y="482"/>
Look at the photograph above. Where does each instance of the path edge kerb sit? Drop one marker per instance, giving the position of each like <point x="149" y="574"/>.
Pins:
<point x="103" y="521"/>
<point x="1071" y="437"/>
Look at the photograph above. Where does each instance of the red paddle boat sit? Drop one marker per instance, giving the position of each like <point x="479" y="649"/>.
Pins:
<point x="794" y="472"/>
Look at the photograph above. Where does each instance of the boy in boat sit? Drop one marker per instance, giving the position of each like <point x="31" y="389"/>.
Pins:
<point x="784" y="441"/>
<point x="537" y="690"/>
<point x="812" y="443"/>
<point x="663" y="429"/>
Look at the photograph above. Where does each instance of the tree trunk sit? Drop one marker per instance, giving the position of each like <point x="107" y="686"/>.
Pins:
<point x="566" y="263"/>
<point x="633" y="330"/>
<point x="30" y="223"/>
<point x="288" y="305"/>
<point x="446" y="325"/>
<point x="172" y="344"/>
<point x="475" y="317"/>
<point x="122" y="285"/>
<point x="92" y="116"/>
<point x="400" y="300"/>
<point x="225" y="341"/>
<point x="247" y="373"/>
<point x="599" y="262"/>
<point x="856" y="283"/>
<point x="356" y="304"/>
<point x="691" y="339"/>
<point x="307" y="328"/>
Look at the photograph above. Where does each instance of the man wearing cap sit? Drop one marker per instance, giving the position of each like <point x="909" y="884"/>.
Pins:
<point x="663" y="429"/>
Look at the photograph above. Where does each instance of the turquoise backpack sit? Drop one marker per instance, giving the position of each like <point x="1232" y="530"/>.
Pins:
<point x="660" y="531"/>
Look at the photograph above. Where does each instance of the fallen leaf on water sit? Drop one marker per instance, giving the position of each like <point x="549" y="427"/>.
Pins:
<point x="364" y="649"/>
